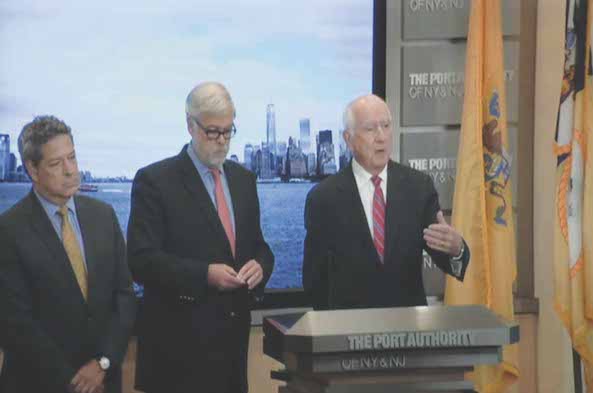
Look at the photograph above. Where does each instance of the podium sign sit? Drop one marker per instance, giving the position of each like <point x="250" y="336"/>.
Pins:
<point x="401" y="346"/>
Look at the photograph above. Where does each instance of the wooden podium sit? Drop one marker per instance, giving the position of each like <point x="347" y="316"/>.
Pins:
<point x="403" y="350"/>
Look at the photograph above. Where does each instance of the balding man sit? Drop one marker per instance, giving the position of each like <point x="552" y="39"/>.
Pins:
<point x="196" y="244"/>
<point x="368" y="224"/>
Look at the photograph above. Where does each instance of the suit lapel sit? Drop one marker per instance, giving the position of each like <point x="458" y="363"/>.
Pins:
<point x="395" y="209"/>
<point x="90" y="236"/>
<point x="46" y="233"/>
<point x="195" y="186"/>
<point x="352" y="204"/>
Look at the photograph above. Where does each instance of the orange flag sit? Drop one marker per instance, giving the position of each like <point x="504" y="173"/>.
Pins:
<point x="573" y="226"/>
<point x="482" y="204"/>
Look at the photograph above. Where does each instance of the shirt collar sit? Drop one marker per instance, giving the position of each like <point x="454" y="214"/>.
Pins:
<point x="202" y="168"/>
<point x="363" y="176"/>
<point x="51" y="208"/>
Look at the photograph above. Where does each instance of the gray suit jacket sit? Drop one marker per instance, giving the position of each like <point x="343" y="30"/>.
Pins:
<point x="47" y="330"/>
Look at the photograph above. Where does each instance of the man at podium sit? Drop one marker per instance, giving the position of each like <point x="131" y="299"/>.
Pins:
<point x="368" y="224"/>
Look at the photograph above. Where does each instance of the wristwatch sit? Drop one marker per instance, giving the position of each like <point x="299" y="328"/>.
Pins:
<point x="104" y="363"/>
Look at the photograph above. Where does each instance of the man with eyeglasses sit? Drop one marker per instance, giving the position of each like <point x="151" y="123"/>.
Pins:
<point x="195" y="243"/>
<point x="368" y="224"/>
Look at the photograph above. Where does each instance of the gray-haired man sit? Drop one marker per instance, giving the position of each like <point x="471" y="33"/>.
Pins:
<point x="368" y="225"/>
<point x="196" y="244"/>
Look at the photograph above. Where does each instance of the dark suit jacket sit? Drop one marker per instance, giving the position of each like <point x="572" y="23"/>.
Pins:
<point x="341" y="267"/>
<point x="191" y="337"/>
<point x="47" y="329"/>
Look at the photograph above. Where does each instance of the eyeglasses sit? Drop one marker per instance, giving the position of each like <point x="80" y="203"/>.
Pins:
<point x="213" y="133"/>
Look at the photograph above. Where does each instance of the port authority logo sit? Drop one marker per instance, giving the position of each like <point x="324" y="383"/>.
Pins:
<point x="440" y="85"/>
<point x="373" y="362"/>
<point x="435" y="5"/>
<point x="453" y="338"/>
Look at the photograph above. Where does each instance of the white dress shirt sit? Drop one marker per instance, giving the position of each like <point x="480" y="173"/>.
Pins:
<point x="366" y="190"/>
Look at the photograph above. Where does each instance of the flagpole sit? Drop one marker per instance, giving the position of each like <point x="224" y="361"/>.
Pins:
<point x="576" y="365"/>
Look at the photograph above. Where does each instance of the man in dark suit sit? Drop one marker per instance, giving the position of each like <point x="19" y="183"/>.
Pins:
<point x="66" y="298"/>
<point x="368" y="224"/>
<point x="196" y="244"/>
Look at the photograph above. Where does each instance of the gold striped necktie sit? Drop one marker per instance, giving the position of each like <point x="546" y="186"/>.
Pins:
<point x="72" y="248"/>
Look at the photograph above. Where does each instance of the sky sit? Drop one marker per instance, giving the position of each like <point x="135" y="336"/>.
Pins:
<point x="118" y="72"/>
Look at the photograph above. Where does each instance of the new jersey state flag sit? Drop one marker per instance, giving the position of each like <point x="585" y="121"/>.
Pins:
<point x="482" y="203"/>
<point x="573" y="209"/>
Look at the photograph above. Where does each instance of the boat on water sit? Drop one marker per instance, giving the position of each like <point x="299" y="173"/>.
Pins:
<point x="85" y="187"/>
<point x="298" y="180"/>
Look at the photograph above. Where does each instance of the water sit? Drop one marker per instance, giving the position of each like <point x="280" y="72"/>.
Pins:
<point x="281" y="205"/>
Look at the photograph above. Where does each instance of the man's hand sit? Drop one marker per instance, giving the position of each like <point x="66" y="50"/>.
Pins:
<point x="252" y="273"/>
<point x="443" y="237"/>
<point x="89" y="379"/>
<point x="223" y="277"/>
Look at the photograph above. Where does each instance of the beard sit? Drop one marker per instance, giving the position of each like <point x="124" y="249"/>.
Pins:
<point x="217" y="158"/>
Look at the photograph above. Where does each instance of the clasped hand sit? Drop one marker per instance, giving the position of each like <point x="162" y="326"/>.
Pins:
<point x="225" y="278"/>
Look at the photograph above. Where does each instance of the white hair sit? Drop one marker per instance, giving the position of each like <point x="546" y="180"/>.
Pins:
<point x="349" y="119"/>
<point x="348" y="116"/>
<point x="209" y="98"/>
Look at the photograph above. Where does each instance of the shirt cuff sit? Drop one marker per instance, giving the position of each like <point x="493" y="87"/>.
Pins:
<point x="456" y="267"/>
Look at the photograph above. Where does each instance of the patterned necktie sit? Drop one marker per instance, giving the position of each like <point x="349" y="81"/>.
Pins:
<point x="223" y="209"/>
<point x="73" y="251"/>
<point x="378" y="218"/>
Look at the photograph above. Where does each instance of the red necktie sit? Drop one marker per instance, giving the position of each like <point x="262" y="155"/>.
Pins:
<point x="378" y="218"/>
<point x="223" y="209"/>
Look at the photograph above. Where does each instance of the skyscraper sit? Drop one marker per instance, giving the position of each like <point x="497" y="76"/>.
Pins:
<point x="324" y="136"/>
<point x="311" y="164"/>
<point x="4" y="157"/>
<point x="248" y="156"/>
<point x="271" y="128"/>
<point x="256" y="160"/>
<point x="281" y="149"/>
<point x="12" y="165"/>
<point x="326" y="161"/>
<point x="305" y="125"/>
<point x="266" y="162"/>
<point x="296" y="164"/>
<point x="345" y="153"/>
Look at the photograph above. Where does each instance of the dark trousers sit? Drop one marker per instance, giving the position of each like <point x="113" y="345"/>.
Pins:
<point x="225" y="371"/>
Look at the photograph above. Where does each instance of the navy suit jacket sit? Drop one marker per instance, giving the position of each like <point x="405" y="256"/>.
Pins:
<point x="47" y="329"/>
<point x="192" y="337"/>
<point x="341" y="267"/>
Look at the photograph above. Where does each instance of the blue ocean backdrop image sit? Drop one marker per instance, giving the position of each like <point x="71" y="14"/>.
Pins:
<point x="290" y="78"/>
<point x="281" y="205"/>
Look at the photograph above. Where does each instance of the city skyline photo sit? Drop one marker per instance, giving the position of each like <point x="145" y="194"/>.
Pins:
<point x="118" y="74"/>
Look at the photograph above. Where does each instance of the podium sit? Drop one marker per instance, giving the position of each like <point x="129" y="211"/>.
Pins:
<point x="403" y="350"/>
